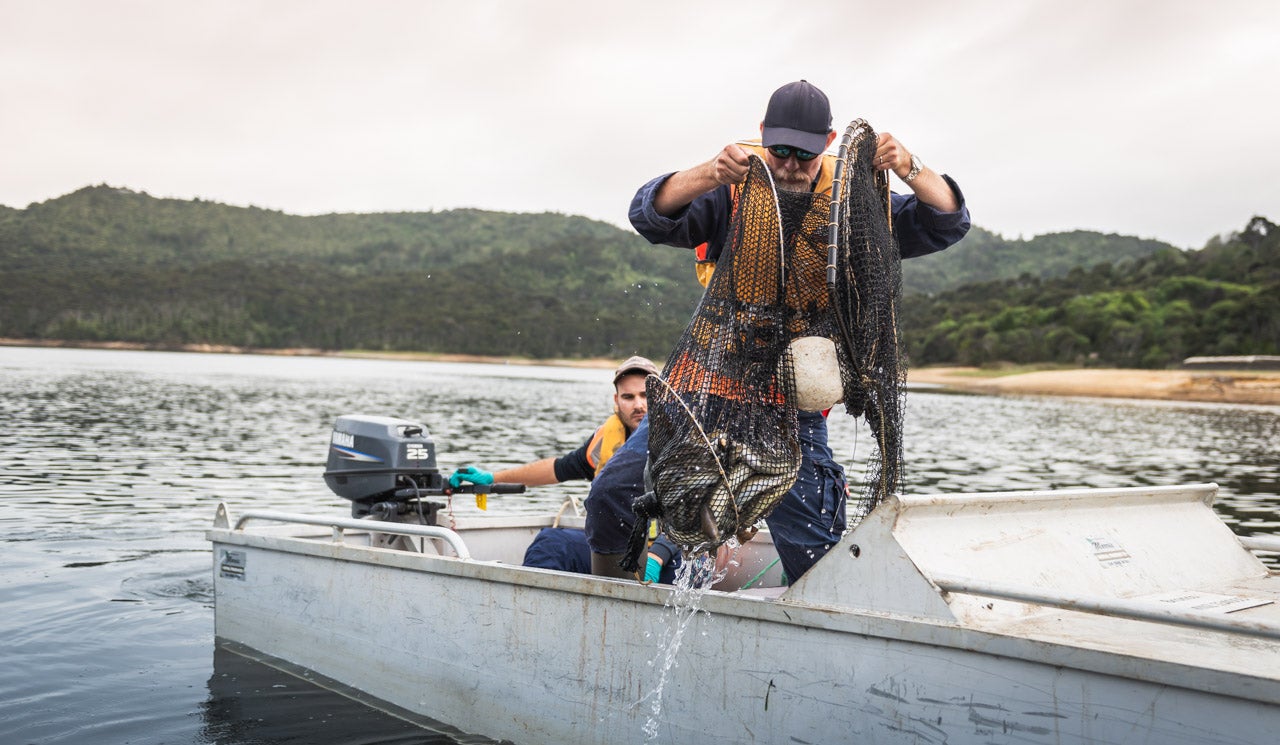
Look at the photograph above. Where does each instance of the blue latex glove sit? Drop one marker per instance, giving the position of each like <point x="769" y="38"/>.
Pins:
<point x="652" y="570"/>
<point x="472" y="474"/>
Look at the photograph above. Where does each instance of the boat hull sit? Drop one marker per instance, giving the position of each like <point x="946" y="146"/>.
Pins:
<point x="536" y="656"/>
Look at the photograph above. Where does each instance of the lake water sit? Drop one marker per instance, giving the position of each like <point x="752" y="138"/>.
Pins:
<point x="113" y="462"/>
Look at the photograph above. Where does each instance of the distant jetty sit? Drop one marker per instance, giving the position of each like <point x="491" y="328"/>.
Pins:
<point x="1244" y="362"/>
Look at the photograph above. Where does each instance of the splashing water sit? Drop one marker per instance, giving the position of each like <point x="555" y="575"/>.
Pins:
<point x="693" y="578"/>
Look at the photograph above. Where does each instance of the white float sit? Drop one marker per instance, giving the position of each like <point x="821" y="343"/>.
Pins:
<point x="817" y="373"/>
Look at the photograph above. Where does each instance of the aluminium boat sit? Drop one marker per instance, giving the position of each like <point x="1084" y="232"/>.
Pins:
<point x="1129" y="615"/>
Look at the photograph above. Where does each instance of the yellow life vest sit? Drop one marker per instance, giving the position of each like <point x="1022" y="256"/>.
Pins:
<point x="706" y="267"/>
<point x="605" y="441"/>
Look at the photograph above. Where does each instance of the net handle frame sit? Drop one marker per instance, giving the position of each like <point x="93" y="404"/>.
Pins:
<point x="853" y="134"/>
<point x="857" y="131"/>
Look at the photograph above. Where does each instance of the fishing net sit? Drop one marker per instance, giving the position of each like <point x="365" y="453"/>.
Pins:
<point x="864" y="275"/>
<point x="724" y="445"/>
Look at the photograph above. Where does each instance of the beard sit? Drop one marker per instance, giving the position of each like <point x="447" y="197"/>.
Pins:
<point x="789" y="179"/>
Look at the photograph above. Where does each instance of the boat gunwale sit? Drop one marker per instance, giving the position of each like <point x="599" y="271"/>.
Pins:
<point x="1030" y="498"/>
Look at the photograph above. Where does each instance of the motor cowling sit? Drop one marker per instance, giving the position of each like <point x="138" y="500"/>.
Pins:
<point x="377" y="458"/>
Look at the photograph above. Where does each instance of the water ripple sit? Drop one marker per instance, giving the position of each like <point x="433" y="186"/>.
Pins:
<point x="114" y="462"/>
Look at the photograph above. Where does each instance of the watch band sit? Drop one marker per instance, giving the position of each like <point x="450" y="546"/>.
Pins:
<point x="916" y="165"/>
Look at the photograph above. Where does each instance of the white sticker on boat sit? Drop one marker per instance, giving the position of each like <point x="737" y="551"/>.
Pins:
<point x="1207" y="602"/>
<point x="1108" y="552"/>
<point x="231" y="564"/>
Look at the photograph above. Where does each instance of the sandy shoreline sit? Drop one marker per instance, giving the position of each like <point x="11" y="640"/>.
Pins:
<point x="1213" y="386"/>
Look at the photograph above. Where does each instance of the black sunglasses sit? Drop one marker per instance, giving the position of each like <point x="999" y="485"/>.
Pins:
<point x="786" y="151"/>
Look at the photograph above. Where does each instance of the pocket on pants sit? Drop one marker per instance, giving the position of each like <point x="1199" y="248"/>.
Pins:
<point x="835" y="490"/>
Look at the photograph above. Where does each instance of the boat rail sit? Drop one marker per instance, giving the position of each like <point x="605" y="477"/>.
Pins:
<point x="1133" y="608"/>
<point x="1260" y="542"/>
<point x="340" y="524"/>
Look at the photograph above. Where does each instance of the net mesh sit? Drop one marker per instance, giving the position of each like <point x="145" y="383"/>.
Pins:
<point x="724" y="445"/>
<point x="865" y="281"/>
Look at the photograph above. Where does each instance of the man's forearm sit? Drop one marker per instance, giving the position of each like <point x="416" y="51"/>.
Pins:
<point x="678" y="191"/>
<point x="538" y="473"/>
<point x="730" y="166"/>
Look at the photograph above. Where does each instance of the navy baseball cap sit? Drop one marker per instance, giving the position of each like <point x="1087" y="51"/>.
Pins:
<point x="798" y="115"/>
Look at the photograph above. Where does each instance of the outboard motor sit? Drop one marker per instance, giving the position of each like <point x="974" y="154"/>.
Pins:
<point x="371" y="458"/>
<point x="386" y="466"/>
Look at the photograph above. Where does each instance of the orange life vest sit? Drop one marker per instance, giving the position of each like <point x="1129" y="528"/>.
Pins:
<point x="607" y="439"/>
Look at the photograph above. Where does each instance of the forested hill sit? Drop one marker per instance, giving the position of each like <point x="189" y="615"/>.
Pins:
<point x="1153" y="312"/>
<point x="109" y="264"/>
<point x="106" y="227"/>
<point x="984" y="256"/>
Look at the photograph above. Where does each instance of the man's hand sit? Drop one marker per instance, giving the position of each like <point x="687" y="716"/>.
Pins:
<point x="891" y="155"/>
<point x="731" y="165"/>
<point x="472" y="474"/>
<point x="652" y="569"/>
<point x="929" y="187"/>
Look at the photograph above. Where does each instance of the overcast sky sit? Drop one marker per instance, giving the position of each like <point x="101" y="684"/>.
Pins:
<point x="1156" y="119"/>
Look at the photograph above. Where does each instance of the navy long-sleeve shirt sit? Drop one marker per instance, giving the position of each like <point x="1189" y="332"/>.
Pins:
<point x="919" y="228"/>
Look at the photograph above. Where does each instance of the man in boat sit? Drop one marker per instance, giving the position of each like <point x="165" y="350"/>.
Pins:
<point x="563" y="549"/>
<point x="692" y="209"/>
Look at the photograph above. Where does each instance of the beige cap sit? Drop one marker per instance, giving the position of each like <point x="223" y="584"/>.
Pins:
<point x="634" y="365"/>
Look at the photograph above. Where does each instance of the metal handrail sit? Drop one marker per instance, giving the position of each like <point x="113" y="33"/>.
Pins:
<point x="1142" y="610"/>
<point x="338" y="524"/>
<point x="1260" y="542"/>
<point x="1203" y="492"/>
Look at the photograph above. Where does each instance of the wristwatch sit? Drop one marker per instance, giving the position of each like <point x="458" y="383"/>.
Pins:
<point x="916" y="165"/>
